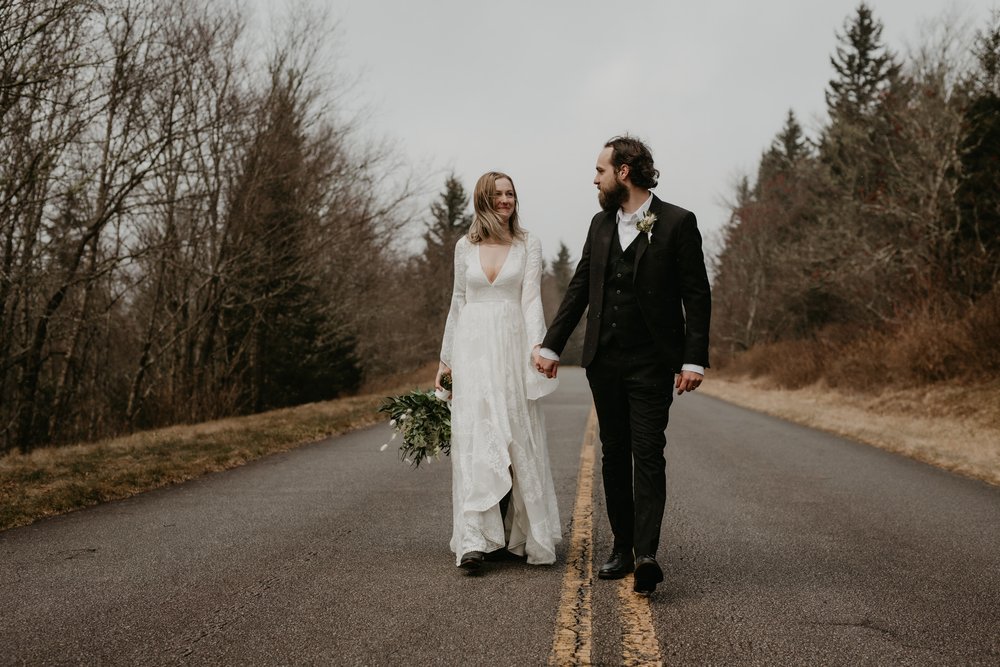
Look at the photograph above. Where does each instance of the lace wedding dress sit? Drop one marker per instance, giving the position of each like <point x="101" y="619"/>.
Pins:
<point x="497" y="428"/>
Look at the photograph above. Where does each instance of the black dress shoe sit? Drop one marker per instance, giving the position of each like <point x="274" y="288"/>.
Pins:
<point x="471" y="561"/>
<point x="647" y="575"/>
<point x="501" y="555"/>
<point x="619" y="564"/>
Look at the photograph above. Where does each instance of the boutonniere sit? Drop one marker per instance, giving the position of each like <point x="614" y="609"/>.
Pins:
<point x="646" y="225"/>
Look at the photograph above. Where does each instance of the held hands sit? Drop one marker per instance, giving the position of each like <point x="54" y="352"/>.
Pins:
<point x="688" y="381"/>
<point x="548" y="367"/>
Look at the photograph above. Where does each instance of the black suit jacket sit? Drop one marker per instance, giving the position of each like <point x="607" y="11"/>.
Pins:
<point x="671" y="286"/>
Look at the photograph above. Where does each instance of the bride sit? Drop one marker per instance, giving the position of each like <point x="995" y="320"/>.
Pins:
<point x="502" y="492"/>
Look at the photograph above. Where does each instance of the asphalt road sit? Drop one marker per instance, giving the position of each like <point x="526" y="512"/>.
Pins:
<point x="781" y="545"/>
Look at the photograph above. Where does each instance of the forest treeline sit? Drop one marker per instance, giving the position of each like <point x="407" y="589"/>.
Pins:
<point x="870" y="252"/>
<point x="190" y="226"/>
<point x="180" y="217"/>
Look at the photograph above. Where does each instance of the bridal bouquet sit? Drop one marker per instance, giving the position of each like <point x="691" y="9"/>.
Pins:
<point x="424" y="421"/>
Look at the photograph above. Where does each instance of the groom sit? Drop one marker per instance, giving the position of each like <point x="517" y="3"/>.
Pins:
<point x="642" y="276"/>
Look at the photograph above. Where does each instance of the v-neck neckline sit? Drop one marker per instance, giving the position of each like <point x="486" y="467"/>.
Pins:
<point x="479" y="255"/>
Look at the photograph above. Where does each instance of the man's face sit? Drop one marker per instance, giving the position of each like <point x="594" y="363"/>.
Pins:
<point x="611" y="191"/>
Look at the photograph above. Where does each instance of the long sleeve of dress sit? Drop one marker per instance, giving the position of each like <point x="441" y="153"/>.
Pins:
<point x="457" y="302"/>
<point x="531" y="293"/>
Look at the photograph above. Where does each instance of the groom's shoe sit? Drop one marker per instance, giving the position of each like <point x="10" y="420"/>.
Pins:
<point x="472" y="561"/>
<point x="647" y="575"/>
<point x="619" y="564"/>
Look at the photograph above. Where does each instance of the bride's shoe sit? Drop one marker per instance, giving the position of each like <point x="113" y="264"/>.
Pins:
<point x="472" y="561"/>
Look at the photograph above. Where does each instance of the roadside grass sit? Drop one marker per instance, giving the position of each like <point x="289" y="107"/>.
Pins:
<point x="55" y="480"/>
<point x="927" y="386"/>
<point x="949" y="425"/>
<point x="935" y="345"/>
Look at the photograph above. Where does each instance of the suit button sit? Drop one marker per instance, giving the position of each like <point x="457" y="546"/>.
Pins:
<point x="616" y="307"/>
<point x="619" y="275"/>
<point x="613" y="325"/>
<point x="618" y="291"/>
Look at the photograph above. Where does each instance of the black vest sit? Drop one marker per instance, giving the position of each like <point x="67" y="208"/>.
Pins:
<point x="621" y="320"/>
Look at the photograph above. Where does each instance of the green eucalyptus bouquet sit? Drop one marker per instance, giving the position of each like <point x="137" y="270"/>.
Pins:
<point x="423" y="419"/>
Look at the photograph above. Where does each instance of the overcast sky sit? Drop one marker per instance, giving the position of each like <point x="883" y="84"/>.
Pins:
<point x="535" y="88"/>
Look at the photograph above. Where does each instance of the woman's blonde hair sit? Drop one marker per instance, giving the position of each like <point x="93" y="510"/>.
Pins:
<point x="487" y="224"/>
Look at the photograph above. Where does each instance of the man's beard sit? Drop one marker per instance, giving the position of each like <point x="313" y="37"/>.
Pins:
<point x="613" y="199"/>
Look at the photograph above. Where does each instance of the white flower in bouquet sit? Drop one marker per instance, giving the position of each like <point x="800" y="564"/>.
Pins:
<point x="423" y="420"/>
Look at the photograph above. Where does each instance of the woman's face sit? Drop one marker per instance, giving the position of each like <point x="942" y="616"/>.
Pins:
<point x="504" y="199"/>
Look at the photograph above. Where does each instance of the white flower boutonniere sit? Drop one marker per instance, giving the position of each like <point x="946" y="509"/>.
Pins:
<point x="646" y="225"/>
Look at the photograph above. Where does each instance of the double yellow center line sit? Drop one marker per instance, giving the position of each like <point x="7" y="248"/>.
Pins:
<point x="571" y="644"/>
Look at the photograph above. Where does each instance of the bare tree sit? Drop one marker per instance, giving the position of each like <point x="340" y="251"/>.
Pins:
<point x="180" y="236"/>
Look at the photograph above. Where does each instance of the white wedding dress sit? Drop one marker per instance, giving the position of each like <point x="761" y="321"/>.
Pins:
<point x="497" y="426"/>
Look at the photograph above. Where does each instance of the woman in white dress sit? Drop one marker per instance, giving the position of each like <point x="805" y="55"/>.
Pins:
<point x="502" y="492"/>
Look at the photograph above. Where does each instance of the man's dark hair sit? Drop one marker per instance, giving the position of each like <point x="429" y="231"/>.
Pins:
<point x="631" y="151"/>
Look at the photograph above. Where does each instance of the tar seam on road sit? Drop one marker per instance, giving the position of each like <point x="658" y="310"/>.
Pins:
<point x="639" y="644"/>
<point x="571" y="644"/>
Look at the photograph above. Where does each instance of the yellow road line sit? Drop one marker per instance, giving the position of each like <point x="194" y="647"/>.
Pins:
<point x="571" y="644"/>
<point x="639" y="645"/>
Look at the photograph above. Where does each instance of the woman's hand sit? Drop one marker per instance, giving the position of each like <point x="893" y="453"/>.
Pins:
<point x="442" y="370"/>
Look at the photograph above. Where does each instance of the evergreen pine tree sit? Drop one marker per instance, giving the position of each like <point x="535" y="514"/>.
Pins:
<point x="449" y="221"/>
<point x="867" y="91"/>
<point x="978" y="193"/>
<point x="791" y="141"/>
<point x="987" y="52"/>
<point x="562" y="269"/>
<point x="284" y="348"/>
<point x="555" y="280"/>
<point x="787" y="149"/>
<point x="864" y="65"/>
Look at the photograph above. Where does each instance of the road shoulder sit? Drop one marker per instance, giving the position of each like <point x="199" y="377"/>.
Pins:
<point x="957" y="429"/>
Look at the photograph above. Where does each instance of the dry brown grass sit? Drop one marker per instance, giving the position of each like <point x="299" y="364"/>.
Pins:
<point x="60" y="479"/>
<point x="927" y="386"/>
<point x="952" y="426"/>
<point x="418" y="377"/>
<point x="937" y="342"/>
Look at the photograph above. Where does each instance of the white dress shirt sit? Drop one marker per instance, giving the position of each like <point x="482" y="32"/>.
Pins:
<point x="627" y="231"/>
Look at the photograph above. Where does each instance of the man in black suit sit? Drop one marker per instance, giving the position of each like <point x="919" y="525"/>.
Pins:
<point x="642" y="276"/>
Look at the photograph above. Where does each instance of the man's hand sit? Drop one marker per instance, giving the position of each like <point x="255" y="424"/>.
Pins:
<point x="549" y="367"/>
<point x="688" y="381"/>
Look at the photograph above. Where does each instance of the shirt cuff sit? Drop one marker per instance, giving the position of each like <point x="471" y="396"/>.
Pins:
<point x="548" y="354"/>
<point x="694" y="368"/>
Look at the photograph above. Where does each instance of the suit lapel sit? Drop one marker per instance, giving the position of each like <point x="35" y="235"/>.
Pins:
<point x="643" y="241"/>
